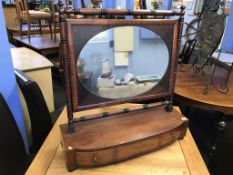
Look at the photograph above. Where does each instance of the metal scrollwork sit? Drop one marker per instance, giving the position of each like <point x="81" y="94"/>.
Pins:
<point x="204" y="44"/>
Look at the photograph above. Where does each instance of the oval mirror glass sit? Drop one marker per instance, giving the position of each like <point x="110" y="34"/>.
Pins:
<point x="122" y="62"/>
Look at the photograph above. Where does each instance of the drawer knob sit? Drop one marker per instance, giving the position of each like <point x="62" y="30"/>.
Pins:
<point x="95" y="160"/>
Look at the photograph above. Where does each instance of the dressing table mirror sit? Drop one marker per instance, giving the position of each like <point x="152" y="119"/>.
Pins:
<point x="120" y="63"/>
<point x="114" y="61"/>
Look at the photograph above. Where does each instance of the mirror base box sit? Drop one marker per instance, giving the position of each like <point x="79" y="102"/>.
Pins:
<point x="120" y="137"/>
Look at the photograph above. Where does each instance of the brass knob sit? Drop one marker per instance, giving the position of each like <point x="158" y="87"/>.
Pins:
<point x="175" y="136"/>
<point x="95" y="160"/>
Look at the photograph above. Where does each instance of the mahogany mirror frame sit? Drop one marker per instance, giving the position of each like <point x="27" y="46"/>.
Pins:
<point x="70" y="65"/>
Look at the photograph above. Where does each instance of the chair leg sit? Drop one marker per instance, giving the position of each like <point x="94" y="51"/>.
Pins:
<point x="29" y="30"/>
<point x="20" y="27"/>
<point x="39" y="21"/>
<point x="50" y="28"/>
<point x="54" y="30"/>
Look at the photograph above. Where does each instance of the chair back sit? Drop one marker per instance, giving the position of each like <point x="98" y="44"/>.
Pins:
<point x="209" y="34"/>
<point x="52" y="8"/>
<point x="21" y="7"/>
<point x="12" y="150"/>
<point x="41" y="122"/>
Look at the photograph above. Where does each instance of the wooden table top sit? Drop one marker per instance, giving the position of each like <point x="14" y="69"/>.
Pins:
<point x="189" y="87"/>
<point x="180" y="157"/>
<point x="26" y="59"/>
<point x="39" y="42"/>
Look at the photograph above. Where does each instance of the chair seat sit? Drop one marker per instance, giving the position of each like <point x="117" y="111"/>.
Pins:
<point x="36" y="14"/>
<point x="39" y="14"/>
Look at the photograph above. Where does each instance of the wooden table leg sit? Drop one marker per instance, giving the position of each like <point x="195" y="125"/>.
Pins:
<point x="221" y="124"/>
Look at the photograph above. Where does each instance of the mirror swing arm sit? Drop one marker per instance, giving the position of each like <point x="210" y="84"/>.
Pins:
<point x="86" y="140"/>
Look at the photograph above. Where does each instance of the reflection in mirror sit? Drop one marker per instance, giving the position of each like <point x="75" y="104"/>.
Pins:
<point x="123" y="62"/>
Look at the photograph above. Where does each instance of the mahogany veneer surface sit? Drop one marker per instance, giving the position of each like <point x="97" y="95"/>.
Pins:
<point x="120" y="137"/>
<point x="121" y="129"/>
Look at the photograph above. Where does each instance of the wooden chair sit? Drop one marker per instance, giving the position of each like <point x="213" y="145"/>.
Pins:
<point x="29" y="16"/>
<point x="13" y="159"/>
<point x="54" y="16"/>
